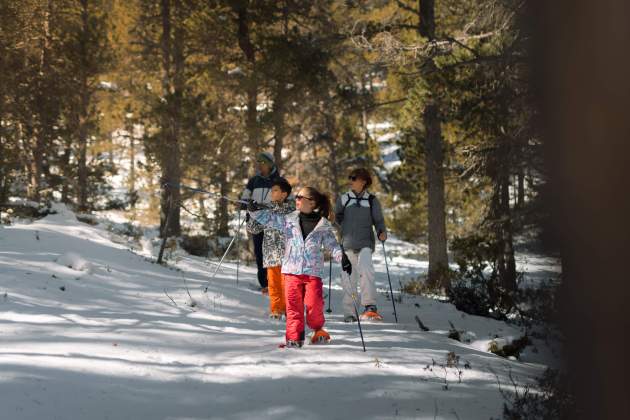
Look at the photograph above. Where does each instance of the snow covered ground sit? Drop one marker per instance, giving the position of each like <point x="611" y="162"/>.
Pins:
<point x="91" y="330"/>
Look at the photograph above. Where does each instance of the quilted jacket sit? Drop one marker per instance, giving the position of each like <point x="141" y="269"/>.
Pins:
<point x="273" y="240"/>
<point x="301" y="256"/>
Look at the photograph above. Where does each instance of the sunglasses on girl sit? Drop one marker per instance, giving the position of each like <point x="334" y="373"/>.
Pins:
<point x="303" y="197"/>
<point x="353" y="177"/>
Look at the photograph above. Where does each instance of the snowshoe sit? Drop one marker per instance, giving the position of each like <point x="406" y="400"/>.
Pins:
<point x="291" y="344"/>
<point x="371" y="314"/>
<point x="320" y="337"/>
<point x="349" y="318"/>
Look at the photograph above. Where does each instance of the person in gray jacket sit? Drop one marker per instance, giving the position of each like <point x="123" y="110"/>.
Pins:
<point x="358" y="212"/>
<point x="258" y="189"/>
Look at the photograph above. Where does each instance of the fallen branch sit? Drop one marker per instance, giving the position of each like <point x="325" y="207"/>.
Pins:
<point x="169" y="296"/>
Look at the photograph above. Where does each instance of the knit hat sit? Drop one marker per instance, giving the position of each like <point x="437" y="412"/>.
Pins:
<point x="267" y="158"/>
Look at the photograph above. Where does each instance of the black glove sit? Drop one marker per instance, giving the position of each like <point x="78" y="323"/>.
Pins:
<point x="253" y="206"/>
<point x="345" y="264"/>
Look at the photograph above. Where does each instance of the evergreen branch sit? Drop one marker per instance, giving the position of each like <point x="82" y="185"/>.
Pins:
<point x="407" y="8"/>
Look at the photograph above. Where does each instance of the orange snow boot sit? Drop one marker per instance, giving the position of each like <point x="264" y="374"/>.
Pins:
<point x="371" y="314"/>
<point x="320" y="337"/>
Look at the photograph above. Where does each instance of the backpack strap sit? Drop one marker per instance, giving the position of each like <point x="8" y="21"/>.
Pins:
<point x="370" y="199"/>
<point x="347" y="197"/>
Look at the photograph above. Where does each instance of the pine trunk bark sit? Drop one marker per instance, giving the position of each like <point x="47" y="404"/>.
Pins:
<point x="39" y="121"/>
<point x="278" y="118"/>
<point x="221" y="213"/>
<point x="334" y="166"/>
<point x="434" y="159"/>
<point x="245" y="44"/>
<point x="131" y="180"/>
<point x="520" y="197"/>
<point x="172" y="67"/>
<point x="507" y="271"/>
<point x="82" y="134"/>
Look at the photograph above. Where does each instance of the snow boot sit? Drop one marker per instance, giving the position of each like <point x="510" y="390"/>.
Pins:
<point x="276" y="315"/>
<point x="349" y="318"/>
<point x="293" y="344"/>
<point x="320" y="337"/>
<point x="371" y="314"/>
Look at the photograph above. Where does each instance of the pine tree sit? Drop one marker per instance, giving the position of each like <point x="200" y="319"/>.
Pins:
<point x="163" y="36"/>
<point x="89" y="55"/>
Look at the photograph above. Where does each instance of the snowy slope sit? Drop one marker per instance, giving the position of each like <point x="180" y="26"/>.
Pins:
<point x="88" y="332"/>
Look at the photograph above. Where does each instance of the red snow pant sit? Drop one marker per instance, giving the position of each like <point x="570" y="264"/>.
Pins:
<point x="303" y="290"/>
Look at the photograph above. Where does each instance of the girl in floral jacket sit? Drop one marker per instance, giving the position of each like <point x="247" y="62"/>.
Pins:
<point x="306" y="231"/>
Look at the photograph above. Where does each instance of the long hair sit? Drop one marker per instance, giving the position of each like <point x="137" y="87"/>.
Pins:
<point x="322" y="203"/>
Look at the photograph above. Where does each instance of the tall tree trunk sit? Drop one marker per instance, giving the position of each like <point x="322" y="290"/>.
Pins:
<point x="35" y="166"/>
<point x="132" y="168"/>
<point x="333" y="165"/>
<point x="251" y="123"/>
<point x="245" y="43"/>
<point x="132" y="155"/>
<point x="82" y="139"/>
<point x="520" y="195"/>
<point x="3" y="154"/>
<point x="39" y="120"/>
<point x="434" y="158"/>
<point x="171" y="86"/>
<point x="67" y="171"/>
<point x="369" y="161"/>
<point x="507" y="270"/>
<point x="83" y="111"/>
<point x="278" y="118"/>
<point x="221" y="213"/>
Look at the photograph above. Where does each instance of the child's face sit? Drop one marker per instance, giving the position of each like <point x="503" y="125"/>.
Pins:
<point x="277" y="194"/>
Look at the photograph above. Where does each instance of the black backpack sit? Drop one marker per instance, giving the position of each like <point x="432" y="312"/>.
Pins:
<point x="370" y="199"/>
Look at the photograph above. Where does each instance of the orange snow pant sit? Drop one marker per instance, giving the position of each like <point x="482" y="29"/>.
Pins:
<point x="303" y="291"/>
<point x="275" y="282"/>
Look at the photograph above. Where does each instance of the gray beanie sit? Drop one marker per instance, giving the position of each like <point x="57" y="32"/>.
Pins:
<point x="268" y="157"/>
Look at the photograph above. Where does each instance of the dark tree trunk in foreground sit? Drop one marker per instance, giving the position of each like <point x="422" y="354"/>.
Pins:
<point x="172" y="86"/>
<point x="434" y="158"/>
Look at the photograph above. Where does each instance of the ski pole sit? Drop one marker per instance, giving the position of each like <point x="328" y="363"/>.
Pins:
<point x="222" y="258"/>
<point x="210" y="193"/>
<point x="391" y="292"/>
<point x="356" y="310"/>
<point x="329" y="285"/>
<point x="354" y="303"/>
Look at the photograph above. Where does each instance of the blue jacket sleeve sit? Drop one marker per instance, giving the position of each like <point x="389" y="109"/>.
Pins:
<point x="330" y="243"/>
<point x="269" y="219"/>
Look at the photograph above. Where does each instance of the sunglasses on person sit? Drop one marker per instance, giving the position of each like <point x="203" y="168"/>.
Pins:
<point x="303" y="197"/>
<point x="353" y="177"/>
